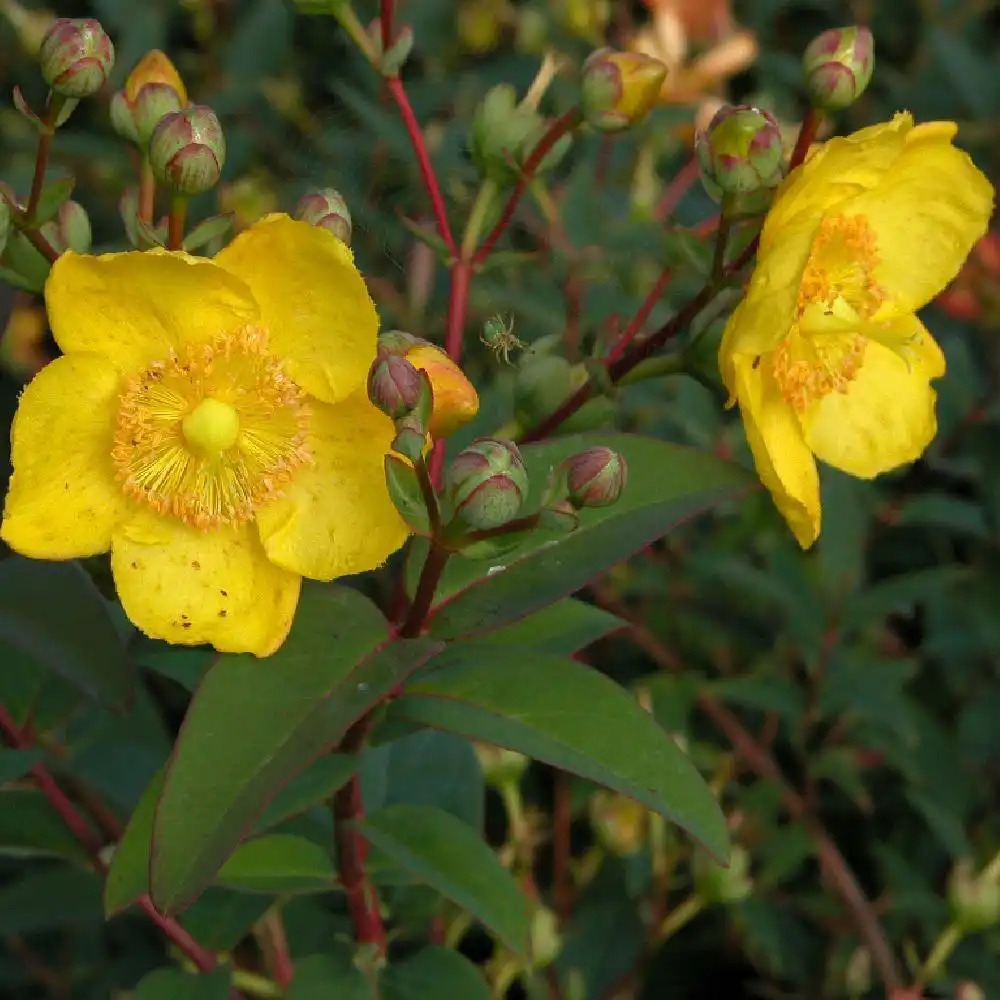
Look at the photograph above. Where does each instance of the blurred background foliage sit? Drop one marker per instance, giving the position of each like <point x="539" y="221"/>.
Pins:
<point x="864" y="674"/>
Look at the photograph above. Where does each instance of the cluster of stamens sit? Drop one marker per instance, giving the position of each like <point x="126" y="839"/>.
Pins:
<point x="160" y="462"/>
<point x="839" y="277"/>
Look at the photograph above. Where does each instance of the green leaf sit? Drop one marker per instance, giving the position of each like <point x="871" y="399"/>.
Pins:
<point x="565" y="627"/>
<point x="667" y="484"/>
<point x="314" y="785"/>
<point x="450" y="857"/>
<point x="433" y="972"/>
<point x="54" y="194"/>
<point x="254" y="724"/>
<point x="569" y="715"/>
<point x="29" y="825"/>
<point x="404" y="489"/>
<point x="172" y="984"/>
<point x="128" y="875"/>
<point x="221" y="918"/>
<point x="323" y="977"/>
<point x="53" y="612"/>
<point x="16" y="764"/>
<point x="207" y="230"/>
<point x="279" y="863"/>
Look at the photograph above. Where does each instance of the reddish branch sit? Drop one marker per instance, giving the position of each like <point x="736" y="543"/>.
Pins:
<point x="760" y="761"/>
<point x="92" y="842"/>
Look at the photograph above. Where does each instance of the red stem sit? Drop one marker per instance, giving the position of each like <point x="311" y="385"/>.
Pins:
<point x="175" y="223"/>
<point x="676" y="189"/>
<point x="416" y="135"/>
<point x="91" y="842"/>
<point x="640" y="317"/>
<point x="807" y="135"/>
<point x="38" y="180"/>
<point x="458" y="302"/>
<point x="430" y="576"/>
<point x="388" y="10"/>
<point x="147" y="192"/>
<point x="562" y="125"/>
<point x="352" y="849"/>
<point x="562" y="821"/>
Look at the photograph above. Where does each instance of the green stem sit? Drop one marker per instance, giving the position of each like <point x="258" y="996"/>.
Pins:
<point x="946" y="943"/>
<point x="256" y="986"/>
<point x="175" y="222"/>
<point x="679" y="916"/>
<point x="664" y="364"/>
<point x="349" y="21"/>
<point x="478" y="215"/>
<point x="430" y="497"/>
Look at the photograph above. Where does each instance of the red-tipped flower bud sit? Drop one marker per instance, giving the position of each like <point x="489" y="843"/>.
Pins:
<point x="76" y="57"/>
<point x="838" y="66"/>
<point x="740" y="151"/>
<point x="619" y="89"/>
<point x="596" y="477"/>
<point x="394" y="385"/>
<point x="188" y="150"/>
<point x="488" y="483"/>
<point x="326" y="209"/>
<point x="152" y="104"/>
<point x="456" y="401"/>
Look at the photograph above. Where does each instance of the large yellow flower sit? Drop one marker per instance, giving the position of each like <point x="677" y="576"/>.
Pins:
<point x="825" y="355"/>
<point x="208" y="423"/>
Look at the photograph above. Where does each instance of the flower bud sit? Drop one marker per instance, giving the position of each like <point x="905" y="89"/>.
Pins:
<point x="488" y="483"/>
<point x="718" y="884"/>
<point x="740" y="151"/>
<point x="546" y="942"/>
<point x="595" y="477"/>
<point x="326" y="209"/>
<point x="153" y="89"/>
<point x="152" y="104"/>
<point x="394" y="385"/>
<point x="72" y="227"/>
<point x="456" y="401"/>
<point x="620" y="823"/>
<point x="188" y="150"/>
<point x="858" y="973"/>
<point x="619" y="89"/>
<point x="154" y="67"/>
<point x="974" y="898"/>
<point x="968" y="990"/>
<point x="499" y="765"/>
<point x="76" y="57"/>
<point x="838" y="66"/>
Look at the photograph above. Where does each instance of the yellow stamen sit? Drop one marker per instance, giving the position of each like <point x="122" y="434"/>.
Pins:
<point x="212" y="433"/>
<point x="821" y="355"/>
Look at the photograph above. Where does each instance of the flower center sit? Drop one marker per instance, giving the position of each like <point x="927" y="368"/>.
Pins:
<point x="837" y="293"/>
<point x="210" y="434"/>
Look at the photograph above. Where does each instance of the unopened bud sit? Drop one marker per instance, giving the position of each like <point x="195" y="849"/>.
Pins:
<point x="152" y="104"/>
<point x="73" y="227"/>
<point x="620" y="823"/>
<point x="595" y="477"/>
<point x="499" y="765"/>
<point x="456" y="401"/>
<point x="326" y="209"/>
<point x="76" y="57"/>
<point x="619" y="89"/>
<point x="188" y="150"/>
<point x="488" y="483"/>
<point x="718" y="884"/>
<point x="740" y="151"/>
<point x="153" y="89"/>
<point x="394" y="385"/>
<point x="858" y="973"/>
<point x="968" y="990"/>
<point x="974" y="898"/>
<point x="154" y="67"/>
<point x="546" y="942"/>
<point x="838" y="66"/>
<point x="397" y="341"/>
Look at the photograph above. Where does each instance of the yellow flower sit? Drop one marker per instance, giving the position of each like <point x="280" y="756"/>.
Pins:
<point x="208" y="423"/>
<point x="825" y="355"/>
<point x="456" y="401"/>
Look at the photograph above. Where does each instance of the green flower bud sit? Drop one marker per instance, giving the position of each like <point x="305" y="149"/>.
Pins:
<point x="718" y="884"/>
<point x="740" y="151"/>
<point x="974" y="898"/>
<point x="499" y="765"/>
<point x="122" y="119"/>
<point x="620" y="823"/>
<point x="188" y="150"/>
<point x="838" y="66"/>
<point x="532" y="32"/>
<point x="4" y="223"/>
<point x="488" y="483"/>
<point x="619" y="89"/>
<point x="858" y="973"/>
<point x="546" y="942"/>
<point x="326" y="209"/>
<point x="968" y="990"/>
<point x="152" y="104"/>
<point x="73" y="227"/>
<point x="596" y="477"/>
<point x="394" y="385"/>
<point x="76" y="57"/>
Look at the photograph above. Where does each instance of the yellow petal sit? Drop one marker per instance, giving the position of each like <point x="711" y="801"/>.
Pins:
<point x="784" y="463"/>
<point x="886" y="416"/>
<point x="314" y="303"/>
<point x="927" y="213"/>
<point x="842" y="168"/>
<point x="134" y="308"/>
<point x="336" y="517"/>
<point x="456" y="401"/>
<point x="63" y="501"/>
<point x="188" y="586"/>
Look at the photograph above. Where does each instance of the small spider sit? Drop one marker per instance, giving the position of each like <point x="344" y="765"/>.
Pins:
<point x="498" y="336"/>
